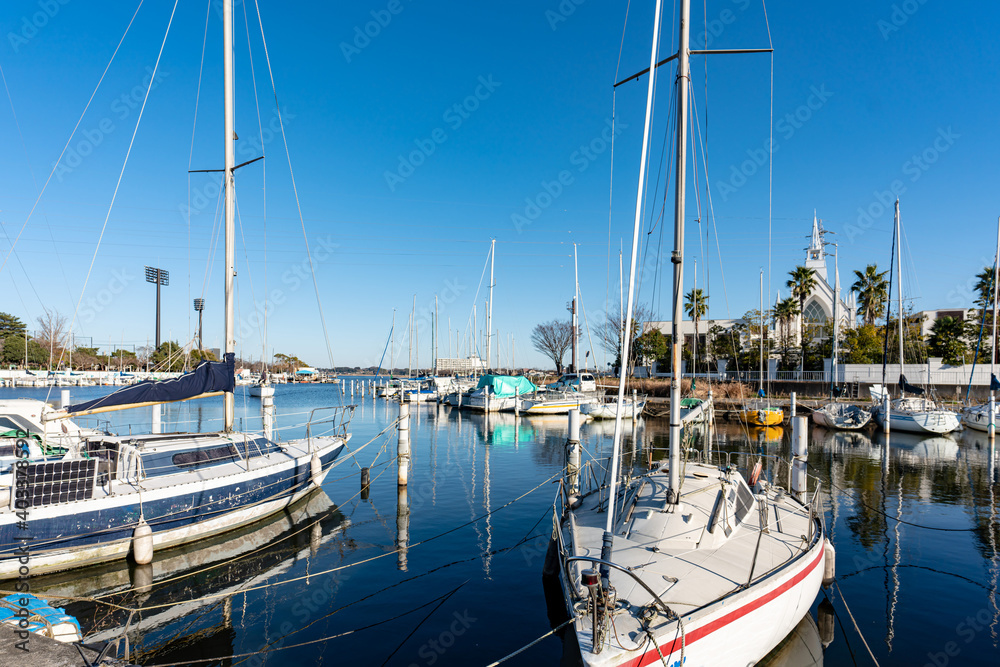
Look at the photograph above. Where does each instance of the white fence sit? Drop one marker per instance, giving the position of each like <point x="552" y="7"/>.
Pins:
<point x="934" y="372"/>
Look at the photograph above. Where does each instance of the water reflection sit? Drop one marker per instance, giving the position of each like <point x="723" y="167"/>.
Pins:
<point x="201" y="581"/>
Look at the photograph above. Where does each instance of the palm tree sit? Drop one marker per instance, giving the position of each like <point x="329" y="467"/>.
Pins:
<point x="695" y="305"/>
<point x="873" y="291"/>
<point x="802" y="282"/>
<point x="784" y="311"/>
<point x="984" y="287"/>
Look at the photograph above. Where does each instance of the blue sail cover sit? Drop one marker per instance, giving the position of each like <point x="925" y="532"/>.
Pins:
<point x="208" y="377"/>
<point x="907" y="387"/>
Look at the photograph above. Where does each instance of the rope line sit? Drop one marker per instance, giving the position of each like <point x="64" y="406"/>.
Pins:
<point x="322" y="572"/>
<point x="529" y="645"/>
<point x="863" y="641"/>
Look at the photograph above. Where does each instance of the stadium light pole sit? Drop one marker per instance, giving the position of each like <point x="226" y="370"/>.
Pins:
<point x="159" y="277"/>
<point x="199" y="305"/>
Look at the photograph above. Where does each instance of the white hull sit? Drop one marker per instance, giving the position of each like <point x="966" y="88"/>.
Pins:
<point x="629" y="410"/>
<point x="556" y="406"/>
<point x="929" y="421"/>
<point x="701" y="550"/>
<point x="978" y="418"/>
<point x="261" y="391"/>
<point x="841" y="416"/>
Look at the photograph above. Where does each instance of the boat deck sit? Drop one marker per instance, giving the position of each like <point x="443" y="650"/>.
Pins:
<point x="697" y="556"/>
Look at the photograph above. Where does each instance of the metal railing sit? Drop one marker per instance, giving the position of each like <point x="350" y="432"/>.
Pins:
<point x="339" y="421"/>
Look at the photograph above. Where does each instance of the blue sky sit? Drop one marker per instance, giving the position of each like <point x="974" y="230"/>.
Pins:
<point x="448" y="125"/>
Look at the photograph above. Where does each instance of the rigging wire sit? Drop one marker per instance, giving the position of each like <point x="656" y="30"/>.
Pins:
<point x="194" y="128"/>
<point x="121" y="174"/>
<point x="295" y="191"/>
<point x="72" y="134"/>
<point x="34" y="182"/>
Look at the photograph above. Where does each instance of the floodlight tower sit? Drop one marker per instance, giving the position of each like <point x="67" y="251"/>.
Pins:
<point x="160" y="277"/>
<point x="199" y="305"/>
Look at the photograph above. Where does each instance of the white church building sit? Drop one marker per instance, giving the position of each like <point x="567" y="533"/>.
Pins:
<point x="818" y="311"/>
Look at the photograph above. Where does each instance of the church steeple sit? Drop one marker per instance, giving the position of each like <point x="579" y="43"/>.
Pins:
<point x="816" y="253"/>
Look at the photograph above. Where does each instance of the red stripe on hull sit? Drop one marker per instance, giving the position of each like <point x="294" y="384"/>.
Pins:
<point x="652" y="657"/>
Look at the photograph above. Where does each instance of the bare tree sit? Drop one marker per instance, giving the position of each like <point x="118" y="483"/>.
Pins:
<point x="52" y="334"/>
<point x="609" y="332"/>
<point x="553" y="339"/>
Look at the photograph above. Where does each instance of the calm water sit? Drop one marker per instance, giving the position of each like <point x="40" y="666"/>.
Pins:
<point x="337" y="578"/>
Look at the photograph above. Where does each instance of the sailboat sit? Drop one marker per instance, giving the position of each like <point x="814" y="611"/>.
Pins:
<point x="759" y="411"/>
<point x="984" y="417"/>
<point x="110" y="496"/>
<point x="840" y="416"/>
<point x="915" y="414"/>
<point x="689" y="563"/>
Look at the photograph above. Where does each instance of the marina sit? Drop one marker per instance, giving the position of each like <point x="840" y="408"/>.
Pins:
<point x="792" y="471"/>
<point x="442" y="565"/>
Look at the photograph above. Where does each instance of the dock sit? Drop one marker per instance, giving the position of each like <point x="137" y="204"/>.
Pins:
<point x="45" y="652"/>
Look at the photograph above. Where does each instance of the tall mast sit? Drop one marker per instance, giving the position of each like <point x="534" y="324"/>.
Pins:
<point x="899" y="289"/>
<point x="409" y="363"/>
<point x="683" y="80"/>
<point x="576" y="306"/>
<point x="392" y="343"/>
<point x="761" y="377"/>
<point x="489" y="306"/>
<point x="434" y="360"/>
<point x="695" y="302"/>
<point x="836" y="315"/>
<point x="993" y="343"/>
<point x="229" y="403"/>
<point x="636" y="230"/>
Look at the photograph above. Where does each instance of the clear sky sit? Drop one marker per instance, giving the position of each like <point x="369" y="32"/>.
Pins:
<point x="418" y="130"/>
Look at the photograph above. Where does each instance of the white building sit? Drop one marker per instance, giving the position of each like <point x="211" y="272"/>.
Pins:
<point x="818" y="309"/>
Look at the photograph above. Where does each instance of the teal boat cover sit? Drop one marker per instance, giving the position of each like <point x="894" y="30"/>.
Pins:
<point x="505" y="386"/>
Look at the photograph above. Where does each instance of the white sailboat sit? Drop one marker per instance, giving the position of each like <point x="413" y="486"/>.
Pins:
<point x="984" y="417"/>
<point x="913" y="414"/>
<point x="840" y="416"/>
<point x="689" y="563"/>
<point x="111" y="496"/>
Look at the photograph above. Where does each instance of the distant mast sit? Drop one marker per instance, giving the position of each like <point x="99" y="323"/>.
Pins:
<point x="489" y="305"/>
<point x="229" y="129"/>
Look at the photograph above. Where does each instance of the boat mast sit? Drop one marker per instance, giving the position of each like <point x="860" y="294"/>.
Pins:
<point x="489" y="306"/>
<point x="229" y="403"/>
<point x="899" y="289"/>
<point x="836" y="315"/>
<point x="695" y="302"/>
<point x="409" y="361"/>
<point x="626" y="337"/>
<point x="576" y="305"/>
<point x="993" y="343"/>
<point x="761" y="376"/>
<point x="683" y="80"/>
<point x="392" y="343"/>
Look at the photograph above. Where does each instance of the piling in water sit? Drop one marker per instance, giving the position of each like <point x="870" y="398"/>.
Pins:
<point x="403" y="447"/>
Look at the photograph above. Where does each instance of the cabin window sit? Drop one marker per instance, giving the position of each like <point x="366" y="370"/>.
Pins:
<point x="8" y="424"/>
<point x="197" y="457"/>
